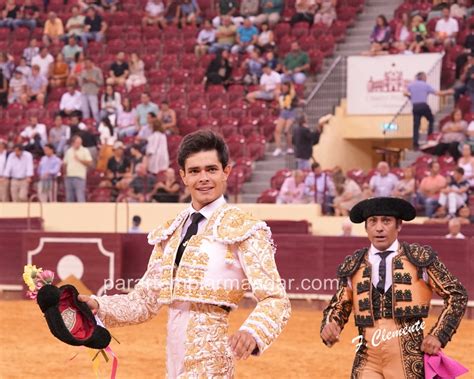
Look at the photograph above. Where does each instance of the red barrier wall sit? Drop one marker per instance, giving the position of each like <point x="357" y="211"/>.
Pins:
<point x="303" y="259"/>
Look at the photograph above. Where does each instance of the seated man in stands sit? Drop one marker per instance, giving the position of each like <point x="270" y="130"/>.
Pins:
<point x="94" y="28"/>
<point x="270" y="12"/>
<point x="167" y="189"/>
<point x="205" y="38"/>
<point x="440" y="216"/>
<point x="17" y="89"/>
<point x="53" y="29"/>
<point x="270" y="82"/>
<point x="430" y="187"/>
<point x="119" y="71"/>
<point x="446" y="28"/>
<point x="154" y="14"/>
<point x="454" y="227"/>
<point x="455" y="194"/>
<point x="383" y="182"/>
<point x="295" y="64"/>
<point x="71" y="102"/>
<point x="144" y="108"/>
<point x="70" y="50"/>
<point x="35" y="136"/>
<point x="246" y="37"/>
<point x="36" y="86"/>
<point x="225" y="35"/>
<point x="141" y="185"/>
<point x="292" y="190"/>
<point x="118" y="166"/>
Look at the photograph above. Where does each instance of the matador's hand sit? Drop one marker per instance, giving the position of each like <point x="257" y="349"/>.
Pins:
<point x="242" y="344"/>
<point x="330" y="333"/>
<point x="431" y="345"/>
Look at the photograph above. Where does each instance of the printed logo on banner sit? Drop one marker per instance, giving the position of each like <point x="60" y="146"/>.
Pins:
<point x="392" y="81"/>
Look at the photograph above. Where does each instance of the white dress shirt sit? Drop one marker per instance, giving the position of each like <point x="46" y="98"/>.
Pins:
<point x="375" y="259"/>
<point x="206" y="211"/>
<point x="69" y="102"/>
<point x="30" y="131"/>
<point x="19" y="168"/>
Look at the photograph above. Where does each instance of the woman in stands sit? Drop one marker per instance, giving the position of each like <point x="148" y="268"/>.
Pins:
<point x="110" y="104"/>
<point x="467" y="163"/>
<point x="403" y="34"/>
<point x="380" y="37"/>
<point x="266" y="38"/>
<point x="136" y="77"/>
<point x="287" y="102"/>
<point x="348" y="193"/>
<point x="76" y="67"/>
<point x="326" y="12"/>
<point x="127" y="120"/>
<point x="60" y="72"/>
<point x="157" y="149"/>
<point x="453" y="133"/>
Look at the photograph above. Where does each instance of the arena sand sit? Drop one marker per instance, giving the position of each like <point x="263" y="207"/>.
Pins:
<point x="28" y="350"/>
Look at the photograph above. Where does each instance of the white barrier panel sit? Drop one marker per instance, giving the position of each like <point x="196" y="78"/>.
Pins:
<point x="375" y="85"/>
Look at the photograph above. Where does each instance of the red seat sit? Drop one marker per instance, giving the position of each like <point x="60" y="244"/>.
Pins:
<point x="268" y="196"/>
<point x="281" y="30"/>
<point x="187" y="126"/>
<point x="318" y="30"/>
<point x="357" y="175"/>
<point x="279" y="177"/>
<point x="236" y="144"/>
<point x="235" y="181"/>
<point x="300" y="29"/>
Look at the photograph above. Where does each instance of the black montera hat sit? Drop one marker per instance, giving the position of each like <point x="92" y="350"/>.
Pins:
<point x="382" y="206"/>
<point x="69" y="319"/>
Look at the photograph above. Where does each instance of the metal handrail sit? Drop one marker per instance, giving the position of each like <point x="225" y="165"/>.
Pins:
<point x="127" y="213"/>
<point x="28" y="213"/>
<point x="323" y="79"/>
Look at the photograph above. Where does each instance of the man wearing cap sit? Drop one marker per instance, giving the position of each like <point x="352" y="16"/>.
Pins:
<point x="200" y="266"/>
<point x="389" y="287"/>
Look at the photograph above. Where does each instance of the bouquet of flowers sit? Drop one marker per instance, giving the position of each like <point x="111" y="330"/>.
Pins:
<point x="35" y="278"/>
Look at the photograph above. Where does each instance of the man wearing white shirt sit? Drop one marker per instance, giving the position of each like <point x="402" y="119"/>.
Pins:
<point x="3" y="163"/>
<point x="389" y="287"/>
<point x="155" y="14"/>
<point x="454" y="227"/>
<point x="71" y="102"/>
<point x="19" y="169"/>
<point x="446" y="28"/>
<point x="35" y="133"/>
<point x="44" y="61"/>
<point x="269" y="86"/>
<point x="384" y="182"/>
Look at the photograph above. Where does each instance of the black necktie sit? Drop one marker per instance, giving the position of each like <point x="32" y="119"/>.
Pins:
<point x="382" y="270"/>
<point x="191" y="231"/>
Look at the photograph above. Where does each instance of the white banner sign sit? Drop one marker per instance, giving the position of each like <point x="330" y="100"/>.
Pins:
<point x="375" y="85"/>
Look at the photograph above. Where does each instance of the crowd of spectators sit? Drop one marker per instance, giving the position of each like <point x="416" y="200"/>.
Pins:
<point x="440" y="195"/>
<point x="105" y="107"/>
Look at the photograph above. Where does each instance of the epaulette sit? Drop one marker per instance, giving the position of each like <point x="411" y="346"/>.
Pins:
<point x="351" y="263"/>
<point x="232" y="225"/>
<point x="420" y="256"/>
